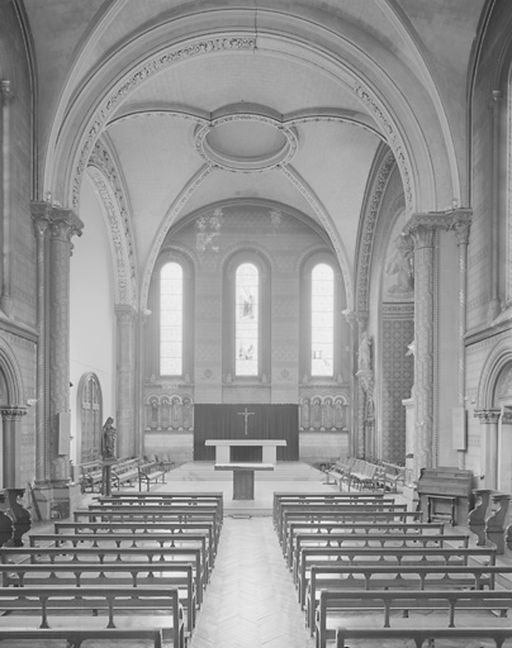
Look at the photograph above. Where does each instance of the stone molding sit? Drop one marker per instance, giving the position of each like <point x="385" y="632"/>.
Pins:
<point x="50" y="218"/>
<point x="106" y="177"/>
<point x="12" y="412"/>
<point x="487" y="417"/>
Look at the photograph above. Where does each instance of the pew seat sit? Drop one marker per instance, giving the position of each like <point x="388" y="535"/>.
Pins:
<point x="75" y="637"/>
<point x="123" y="607"/>
<point x="150" y="472"/>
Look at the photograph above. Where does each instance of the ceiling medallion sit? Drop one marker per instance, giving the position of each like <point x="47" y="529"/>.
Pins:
<point x="246" y="138"/>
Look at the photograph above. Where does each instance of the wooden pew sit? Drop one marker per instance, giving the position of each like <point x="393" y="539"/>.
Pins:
<point x="75" y="636"/>
<point x="138" y="528"/>
<point x="415" y="577"/>
<point x="66" y="602"/>
<point x="330" y="514"/>
<point x="161" y="497"/>
<point x="445" y="603"/>
<point x="178" y="576"/>
<point x="374" y="512"/>
<point x="125" y="471"/>
<point x="149" y="472"/>
<point x="107" y="555"/>
<point x="146" y="515"/>
<point x="348" y="528"/>
<point x="387" y="556"/>
<point x="422" y="638"/>
<point x="303" y="540"/>
<point x="125" y="539"/>
<point x="282" y="499"/>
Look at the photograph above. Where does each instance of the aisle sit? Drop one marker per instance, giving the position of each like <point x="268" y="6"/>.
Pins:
<point x="251" y="601"/>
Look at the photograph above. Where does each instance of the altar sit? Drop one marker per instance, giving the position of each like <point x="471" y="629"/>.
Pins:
<point x="243" y="471"/>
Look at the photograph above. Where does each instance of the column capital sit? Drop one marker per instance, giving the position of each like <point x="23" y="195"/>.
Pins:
<point x="6" y="91"/>
<point x="350" y="316"/>
<point x="12" y="412"/>
<point x="125" y="312"/>
<point x="60" y="222"/>
<point x="488" y="416"/>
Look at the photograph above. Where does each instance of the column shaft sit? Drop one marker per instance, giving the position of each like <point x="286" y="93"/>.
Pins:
<point x="5" y="296"/>
<point x="127" y="427"/>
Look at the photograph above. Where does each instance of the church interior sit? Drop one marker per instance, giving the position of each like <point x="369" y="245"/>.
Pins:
<point x="256" y="261"/>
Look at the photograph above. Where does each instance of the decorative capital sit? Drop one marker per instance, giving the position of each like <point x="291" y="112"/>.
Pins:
<point x="12" y="412"/>
<point x="60" y="222"/>
<point x="461" y="225"/>
<point x="125" y="312"/>
<point x="487" y="417"/>
<point x="6" y="91"/>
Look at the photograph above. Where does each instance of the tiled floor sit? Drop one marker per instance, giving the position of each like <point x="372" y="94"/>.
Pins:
<point x="250" y="601"/>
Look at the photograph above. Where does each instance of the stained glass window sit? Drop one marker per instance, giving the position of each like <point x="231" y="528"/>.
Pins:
<point x="171" y="319"/>
<point x="322" y="320"/>
<point x="246" y="320"/>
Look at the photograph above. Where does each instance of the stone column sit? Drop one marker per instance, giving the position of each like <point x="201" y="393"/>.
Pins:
<point x="489" y="445"/>
<point x="126" y="422"/>
<point x="350" y="316"/>
<point x="494" y="301"/>
<point x="461" y="224"/>
<point x="422" y="229"/>
<point x="6" y="96"/>
<point x="54" y="228"/>
<point x="11" y="418"/>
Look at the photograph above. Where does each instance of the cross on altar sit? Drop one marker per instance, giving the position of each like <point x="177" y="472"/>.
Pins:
<point x="246" y="415"/>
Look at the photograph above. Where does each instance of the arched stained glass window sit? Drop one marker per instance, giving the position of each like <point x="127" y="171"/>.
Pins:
<point x="322" y="320"/>
<point x="246" y="320"/>
<point x="171" y="319"/>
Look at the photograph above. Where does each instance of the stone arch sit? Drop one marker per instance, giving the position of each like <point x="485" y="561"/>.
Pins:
<point x="89" y="402"/>
<point x="12" y="377"/>
<point x="80" y="123"/>
<point x="497" y="361"/>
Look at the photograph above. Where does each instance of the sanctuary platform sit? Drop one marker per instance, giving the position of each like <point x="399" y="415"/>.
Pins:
<point x="293" y="476"/>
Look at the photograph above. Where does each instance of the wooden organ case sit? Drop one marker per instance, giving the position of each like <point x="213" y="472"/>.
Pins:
<point x="445" y="494"/>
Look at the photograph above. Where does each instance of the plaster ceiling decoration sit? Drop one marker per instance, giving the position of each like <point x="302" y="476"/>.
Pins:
<point x="246" y="139"/>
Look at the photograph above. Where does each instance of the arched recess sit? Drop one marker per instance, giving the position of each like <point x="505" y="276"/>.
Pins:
<point x="12" y="408"/>
<point x="497" y="360"/>
<point x="288" y="35"/>
<point x="89" y="417"/>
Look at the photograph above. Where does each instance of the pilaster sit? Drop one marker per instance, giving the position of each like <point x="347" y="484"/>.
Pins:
<point x="489" y="446"/>
<point x="6" y="96"/>
<point x="127" y="430"/>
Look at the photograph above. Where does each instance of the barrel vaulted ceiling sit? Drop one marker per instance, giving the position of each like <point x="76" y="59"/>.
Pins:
<point x="288" y="101"/>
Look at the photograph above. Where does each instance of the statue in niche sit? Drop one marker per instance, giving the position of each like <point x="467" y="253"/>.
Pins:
<point x="401" y="267"/>
<point x="108" y="445"/>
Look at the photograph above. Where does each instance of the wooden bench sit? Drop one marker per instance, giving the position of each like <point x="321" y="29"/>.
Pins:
<point x="422" y="638"/>
<point x="349" y="528"/>
<point x="125" y="472"/>
<point x="339" y="471"/>
<point x="386" y="556"/>
<point x="119" y="539"/>
<point x="416" y="577"/>
<point x="150" y="472"/>
<point x="389" y="476"/>
<point x="319" y="510"/>
<point x="137" y="528"/>
<point x="90" y="476"/>
<point x="330" y="514"/>
<point x="75" y="637"/>
<point x="281" y="500"/>
<point x="363" y="474"/>
<point x="66" y="602"/>
<point x="153" y="515"/>
<point x="178" y="576"/>
<point x="367" y="541"/>
<point x="107" y="555"/>
<point x="443" y="602"/>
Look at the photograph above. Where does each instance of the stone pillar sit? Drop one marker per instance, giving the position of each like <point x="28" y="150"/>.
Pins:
<point x="6" y="96"/>
<point x="54" y="228"/>
<point x="126" y="417"/>
<point x="11" y="418"/>
<point x="354" y="418"/>
<point x="461" y="224"/>
<point x="422" y="229"/>
<point x="494" y="295"/>
<point x="489" y="446"/>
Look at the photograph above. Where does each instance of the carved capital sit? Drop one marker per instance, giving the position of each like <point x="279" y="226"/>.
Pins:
<point x="6" y="91"/>
<point x="12" y="412"/>
<point x="487" y="417"/>
<point x="59" y="222"/>
<point x="423" y="227"/>
<point x="125" y="313"/>
<point x="461" y="225"/>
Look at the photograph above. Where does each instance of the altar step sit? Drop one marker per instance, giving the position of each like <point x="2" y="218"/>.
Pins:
<point x="284" y="471"/>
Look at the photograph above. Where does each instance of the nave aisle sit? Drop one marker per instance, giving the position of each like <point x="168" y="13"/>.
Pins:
<point x="251" y="601"/>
